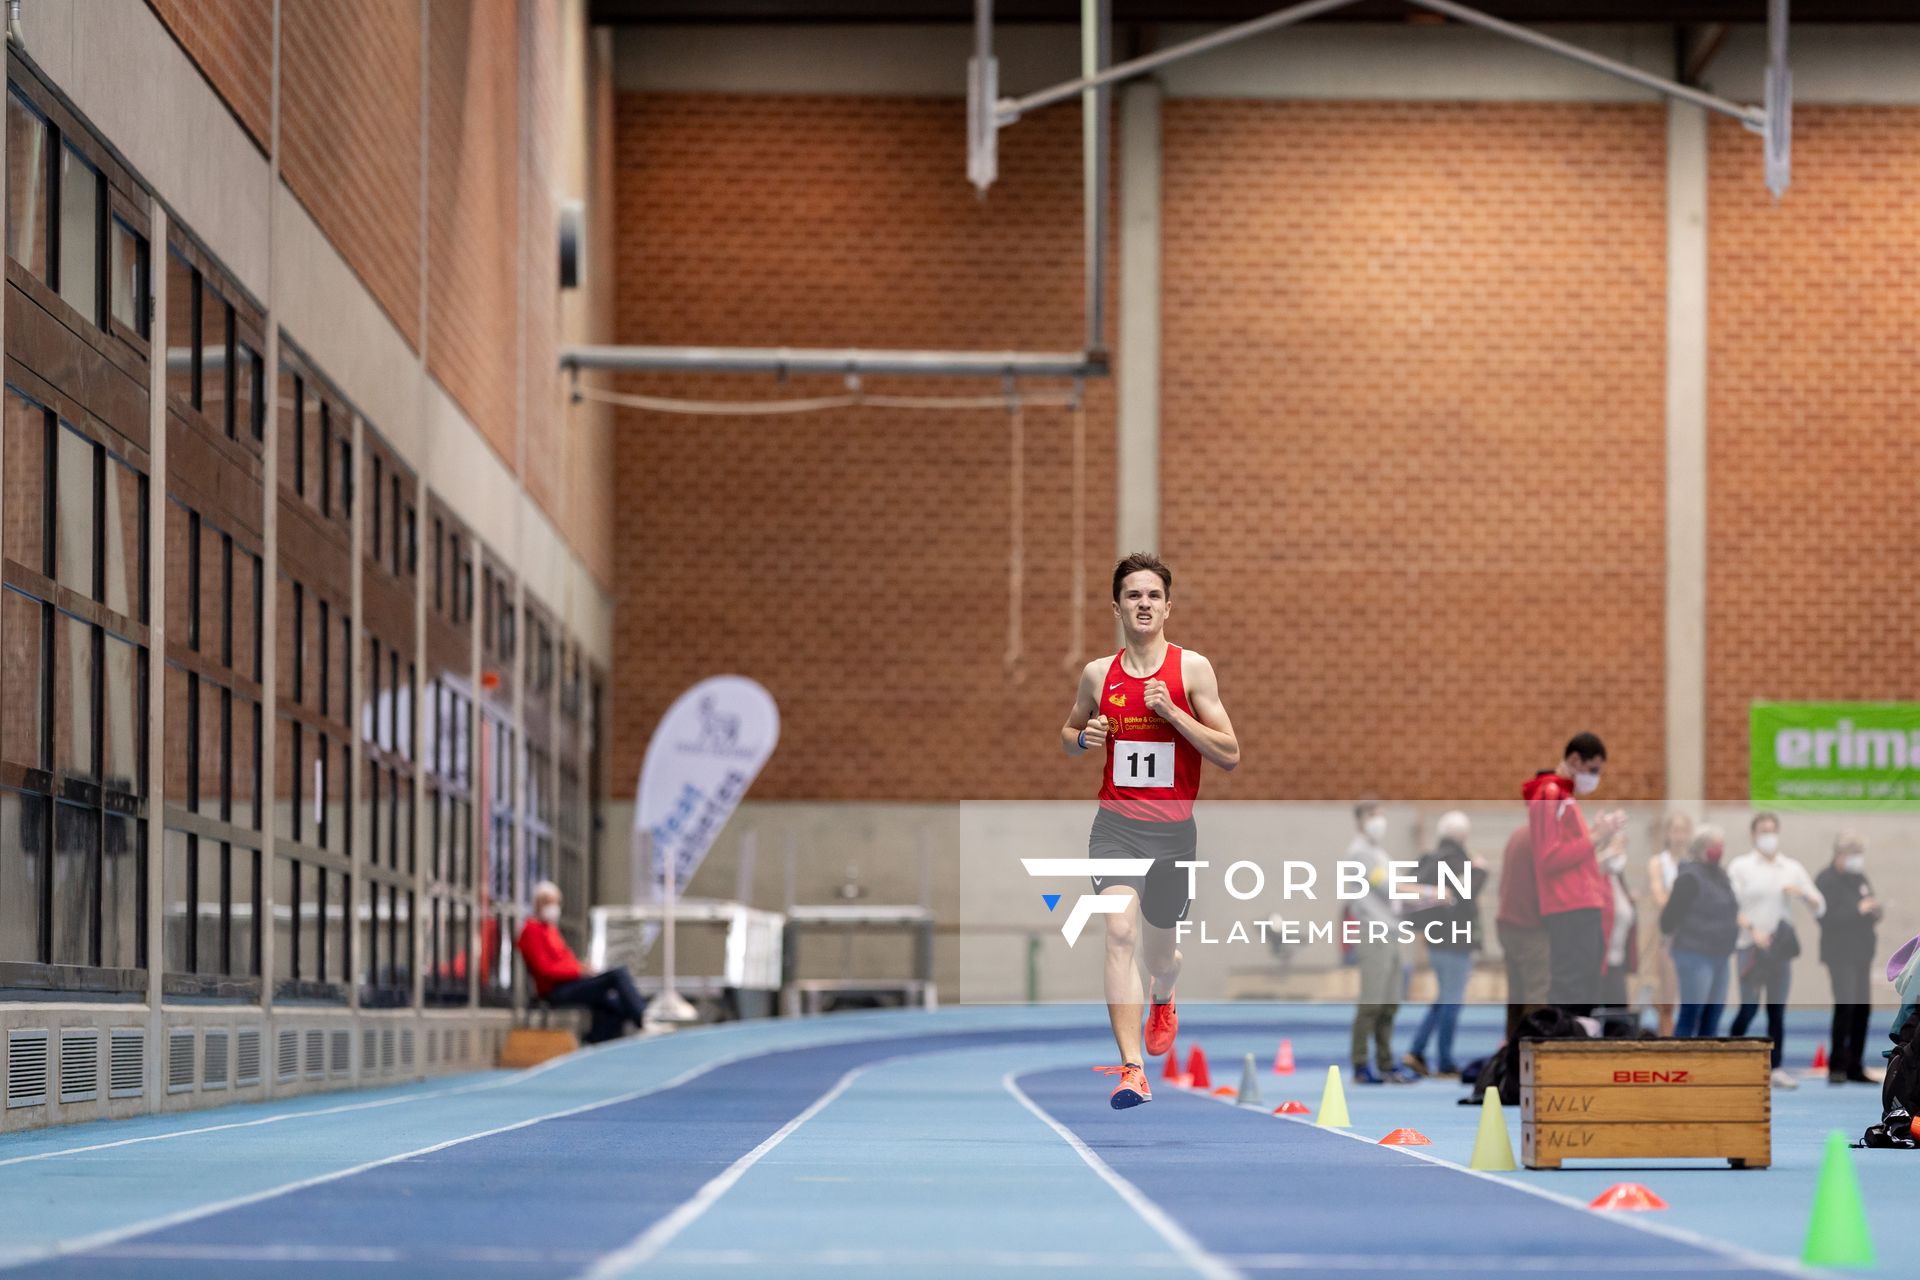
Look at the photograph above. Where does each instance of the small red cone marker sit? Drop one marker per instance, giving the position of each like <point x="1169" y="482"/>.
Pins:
<point x="1628" y="1196"/>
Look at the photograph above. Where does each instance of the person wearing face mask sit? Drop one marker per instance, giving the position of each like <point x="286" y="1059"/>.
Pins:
<point x="1765" y="883"/>
<point x="1574" y="897"/>
<point x="1847" y="941"/>
<point x="1379" y="958"/>
<point x="1620" y="923"/>
<point x="558" y="976"/>
<point x="1702" y="923"/>
<point x="1450" y="924"/>
<point x="1663" y="868"/>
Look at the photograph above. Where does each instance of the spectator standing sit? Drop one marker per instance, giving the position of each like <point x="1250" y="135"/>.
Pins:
<point x="1450" y="923"/>
<point x="1523" y="937"/>
<point x="1702" y="923"/>
<point x="1621" y="920"/>
<point x="1847" y="938"/>
<point x="1765" y="884"/>
<point x="1663" y="868"/>
<point x="1574" y="899"/>
<point x="1380" y="958"/>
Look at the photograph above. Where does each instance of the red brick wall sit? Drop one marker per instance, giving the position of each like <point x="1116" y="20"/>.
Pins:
<point x="1413" y="417"/>
<point x="547" y="446"/>
<point x="1813" y="584"/>
<point x="855" y="561"/>
<point x="350" y="137"/>
<point x="473" y="197"/>
<point x="1412" y="441"/>
<point x="232" y="43"/>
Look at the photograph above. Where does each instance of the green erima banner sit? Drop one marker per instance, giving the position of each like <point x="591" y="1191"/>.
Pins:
<point x="1836" y="755"/>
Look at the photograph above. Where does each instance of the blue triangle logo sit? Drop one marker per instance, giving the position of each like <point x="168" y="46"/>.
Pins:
<point x="1051" y="899"/>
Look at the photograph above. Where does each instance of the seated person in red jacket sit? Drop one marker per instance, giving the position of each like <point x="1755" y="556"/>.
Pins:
<point x="610" y="996"/>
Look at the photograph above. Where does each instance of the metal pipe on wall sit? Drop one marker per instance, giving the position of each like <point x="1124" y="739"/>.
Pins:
<point x="1096" y="49"/>
<point x="851" y="362"/>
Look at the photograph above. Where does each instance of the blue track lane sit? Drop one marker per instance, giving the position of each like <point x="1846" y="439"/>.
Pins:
<point x="1270" y="1196"/>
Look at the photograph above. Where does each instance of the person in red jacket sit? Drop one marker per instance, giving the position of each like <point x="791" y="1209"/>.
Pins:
<point x="1574" y="896"/>
<point x="559" y="977"/>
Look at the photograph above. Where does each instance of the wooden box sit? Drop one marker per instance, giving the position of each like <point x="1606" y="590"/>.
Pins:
<point x="531" y="1046"/>
<point x="1646" y="1099"/>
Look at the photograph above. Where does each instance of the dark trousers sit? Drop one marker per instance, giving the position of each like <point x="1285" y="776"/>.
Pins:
<point x="610" y="997"/>
<point x="1579" y="952"/>
<point x="1762" y="980"/>
<point x="1852" y="990"/>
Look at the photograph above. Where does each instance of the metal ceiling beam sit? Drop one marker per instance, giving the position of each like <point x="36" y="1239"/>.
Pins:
<point x="847" y="362"/>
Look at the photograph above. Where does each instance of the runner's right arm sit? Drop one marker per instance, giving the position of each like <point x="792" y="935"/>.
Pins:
<point x="1085" y="703"/>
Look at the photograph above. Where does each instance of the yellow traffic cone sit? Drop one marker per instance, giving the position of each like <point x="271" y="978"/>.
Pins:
<point x="1492" y="1151"/>
<point x="1333" y="1103"/>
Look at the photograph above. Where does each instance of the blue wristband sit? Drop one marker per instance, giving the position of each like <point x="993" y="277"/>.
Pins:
<point x="1083" y="739"/>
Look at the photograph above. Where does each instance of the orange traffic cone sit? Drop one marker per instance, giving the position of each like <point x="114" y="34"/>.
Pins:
<point x="1293" y="1109"/>
<point x="1197" y="1074"/>
<point x="1820" y="1058"/>
<point x="1405" y="1138"/>
<point x="1283" y="1060"/>
<point x="1628" y="1195"/>
<point x="1225" y="1091"/>
<point x="1171" y="1072"/>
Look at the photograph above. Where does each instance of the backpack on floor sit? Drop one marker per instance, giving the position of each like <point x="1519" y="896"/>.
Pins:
<point x="1502" y="1069"/>
<point x="1900" y="1092"/>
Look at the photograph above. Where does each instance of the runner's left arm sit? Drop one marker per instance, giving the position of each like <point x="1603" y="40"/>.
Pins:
<point x="1208" y="728"/>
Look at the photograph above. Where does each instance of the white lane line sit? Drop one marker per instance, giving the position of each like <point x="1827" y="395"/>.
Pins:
<point x="1189" y="1250"/>
<point x="1634" y="1221"/>
<point x="482" y="1086"/>
<point x="648" y="1243"/>
<point x="949" y="1261"/>
<point x="100" y="1240"/>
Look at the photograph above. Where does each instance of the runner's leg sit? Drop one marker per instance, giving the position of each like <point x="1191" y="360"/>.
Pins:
<point x="1124" y="997"/>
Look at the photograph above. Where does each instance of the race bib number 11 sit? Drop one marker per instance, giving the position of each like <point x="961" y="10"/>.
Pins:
<point x="1142" y="764"/>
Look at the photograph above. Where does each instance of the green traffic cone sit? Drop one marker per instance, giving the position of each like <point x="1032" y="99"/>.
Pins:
<point x="1492" y="1149"/>
<point x="1837" y="1234"/>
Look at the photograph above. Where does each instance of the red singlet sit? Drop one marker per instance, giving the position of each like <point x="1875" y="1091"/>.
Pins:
<point x="1153" y="773"/>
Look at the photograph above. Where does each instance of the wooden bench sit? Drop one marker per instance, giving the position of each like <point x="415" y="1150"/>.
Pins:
<point x="1646" y="1099"/>
<point x="531" y="1045"/>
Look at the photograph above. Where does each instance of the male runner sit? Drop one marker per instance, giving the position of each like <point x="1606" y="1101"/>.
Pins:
<point x="1152" y="711"/>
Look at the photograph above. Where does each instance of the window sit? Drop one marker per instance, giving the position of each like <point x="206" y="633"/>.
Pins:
<point x="72" y="631"/>
<point x="129" y="286"/>
<point x="183" y="329"/>
<point x="27" y="186"/>
<point x="82" y="200"/>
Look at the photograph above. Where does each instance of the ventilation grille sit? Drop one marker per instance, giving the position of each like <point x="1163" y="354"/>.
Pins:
<point x="128" y="1070"/>
<point x="341" y="1058"/>
<point x="217" y="1042"/>
<point x="26" y="1069"/>
<point x="316" y="1054"/>
<point x="179" y="1059"/>
<point x="466" y="1044"/>
<point x="433" y="1038"/>
<point x="79" y="1065"/>
<point x="386" y="1051"/>
<point x="406" y="1048"/>
<point x="288" y="1062"/>
<point x="369" y="1050"/>
<point x="246" y="1068"/>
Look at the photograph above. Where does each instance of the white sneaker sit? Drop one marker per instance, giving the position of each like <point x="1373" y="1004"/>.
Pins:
<point x="1783" y="1079"/>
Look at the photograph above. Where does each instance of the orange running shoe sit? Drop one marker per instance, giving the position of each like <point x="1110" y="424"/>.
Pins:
<point x="1132" y="1089"/>
<point x="1162" y="1023"/>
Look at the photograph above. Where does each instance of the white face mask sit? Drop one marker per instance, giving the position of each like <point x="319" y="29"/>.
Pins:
<point x="551" y="913"/>
<point x="1376" y="828"/>
<point x="1854" y="863"/>
<point x="1584" y="784"/>
<point x="1767" y="843"/>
